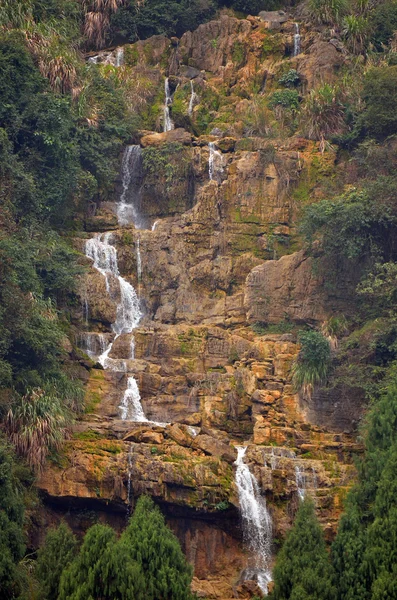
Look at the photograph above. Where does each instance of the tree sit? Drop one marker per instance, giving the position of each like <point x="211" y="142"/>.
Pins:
<point x="380" y="117"/>
<point x="303" y="570"/>
<point x="102" y="570"/>
<point x="54" y="556"/>
<point x="154" y="547"/>
<point x="12" y="545"/>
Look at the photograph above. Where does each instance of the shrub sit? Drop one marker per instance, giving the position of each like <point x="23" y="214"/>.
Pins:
<point x="313" y="363"/>
<point x="328" y="12"/>
<point x="36" y="424"/>
<point x="355" y="30"/>
<point x="290" y="79"/>
<point x="380" y="115"/>
<point x="323" y="113"/>
<point x="288" y="99"/>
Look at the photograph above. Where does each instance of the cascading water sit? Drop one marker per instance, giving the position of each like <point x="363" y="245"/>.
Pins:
<point x="131" y="180"/>
<point x="168" y="124"/>
<point x="119" y="57"/>
<point x="257" y="523"/>
<point x="138" y="260"/>
<point x="301" y="482"/>
<point x="193" y="99"/>
<point x="215" y="163"/>
<point x="128" y="312"/>
<point x="297" y="40"/>
<point x="131" y="407"/>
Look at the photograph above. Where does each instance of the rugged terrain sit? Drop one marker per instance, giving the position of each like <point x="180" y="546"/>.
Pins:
<point x="224" y="285"/>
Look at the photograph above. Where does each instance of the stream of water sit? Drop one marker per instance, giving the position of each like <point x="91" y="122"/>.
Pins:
<point x="168" y="124"/>
<point x="256" y="520"/>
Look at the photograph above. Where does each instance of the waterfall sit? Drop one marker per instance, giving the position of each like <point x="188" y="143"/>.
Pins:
<point x="129" y="462"/>
<point x="154" y="225"/>
<point x="138" y="260"/>
<point x="297" y="40"/>
<point x="131" y="407"/>
<point x="215" y="163"/>
<point x="193" y="99"/>
<point x="257" y="523"/>
<point x="128" y="312"/>
<point x="86" y="311"/>
<point x="119" y="57"/>
<point x="301" y="482"/>
<point x="131" y="180"/>
<point x="168" y="124"/>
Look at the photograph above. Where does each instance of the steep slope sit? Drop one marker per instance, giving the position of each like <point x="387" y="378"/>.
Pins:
<point x="201" y="229"/>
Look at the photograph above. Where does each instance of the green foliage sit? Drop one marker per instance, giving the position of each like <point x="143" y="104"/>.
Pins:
<point x="328" y="12"/>
<point x="313" y="362"/>
<point x="302" y="570"/>
<point x="380" y="116"/>
<point x="383" y="23"/>
<point x="146" y="563"/>
<point x="11" y="521"/>
<point x="290" y="79"/>
<point x="288" y="99"/>
<point x="57" y="552"/>
<point x="363" y="552"/>
<point x="323" y="113"/>
<point x="103" y="569"/>
<point x="36" y="424"/>
<point x="160" y="17"/>
<point x="154" y="547"/>
<point x="355" y="30"/>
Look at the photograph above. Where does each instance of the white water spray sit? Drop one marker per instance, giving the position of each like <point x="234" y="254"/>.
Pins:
<point x="155" y="225"/>
<point x="138" y="260"/>
<point x="257" y="523"/>
<point x="119" y="57"/>
<point x="297" y="40"/>
<point x="193" y="99"/>
<point x="215" y="163"/>
<point x="131" y="194"/>
<point x="131" y="406"/>
<point x="168" y="124"/>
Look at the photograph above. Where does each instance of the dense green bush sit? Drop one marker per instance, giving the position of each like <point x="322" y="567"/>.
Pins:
<point x="288" y="99"/>
<point x="313" y="362"/>
<point x="380" y="115"/>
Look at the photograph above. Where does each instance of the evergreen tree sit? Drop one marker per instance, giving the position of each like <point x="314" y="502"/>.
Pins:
<point x="303" y="570"/>
<point x="355" y="570"/>
<point x="381" y="550"/>
<point x="11" y="520"/>
<point x="154" y="547"/>
<point x="102" y="570"/>
<point x="56" y="554"/>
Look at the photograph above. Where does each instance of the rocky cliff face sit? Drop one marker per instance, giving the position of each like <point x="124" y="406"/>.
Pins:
<point x="216" y="262"/>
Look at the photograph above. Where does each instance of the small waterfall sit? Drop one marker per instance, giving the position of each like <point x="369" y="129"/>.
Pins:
<point x="138" y="260"/>
<point x="301" y="482"/>
<point x="257" y="523"/>
<point x="128" y="312"/>
<point x="119" y="57"/>
<point x="297" y="40"/>
<point x="215" y="163"/>
<point x="94" y="344"/>
<point x="168" y="124"/>
<point x="131" y="194"/>
<point x="129" y="463"/>
<point x="131" y="407"/>
<point x="193" y="99"/>
<point x="86" y="311"/>
<point x="155" y="225"/>
<point x="305" y="481"/>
